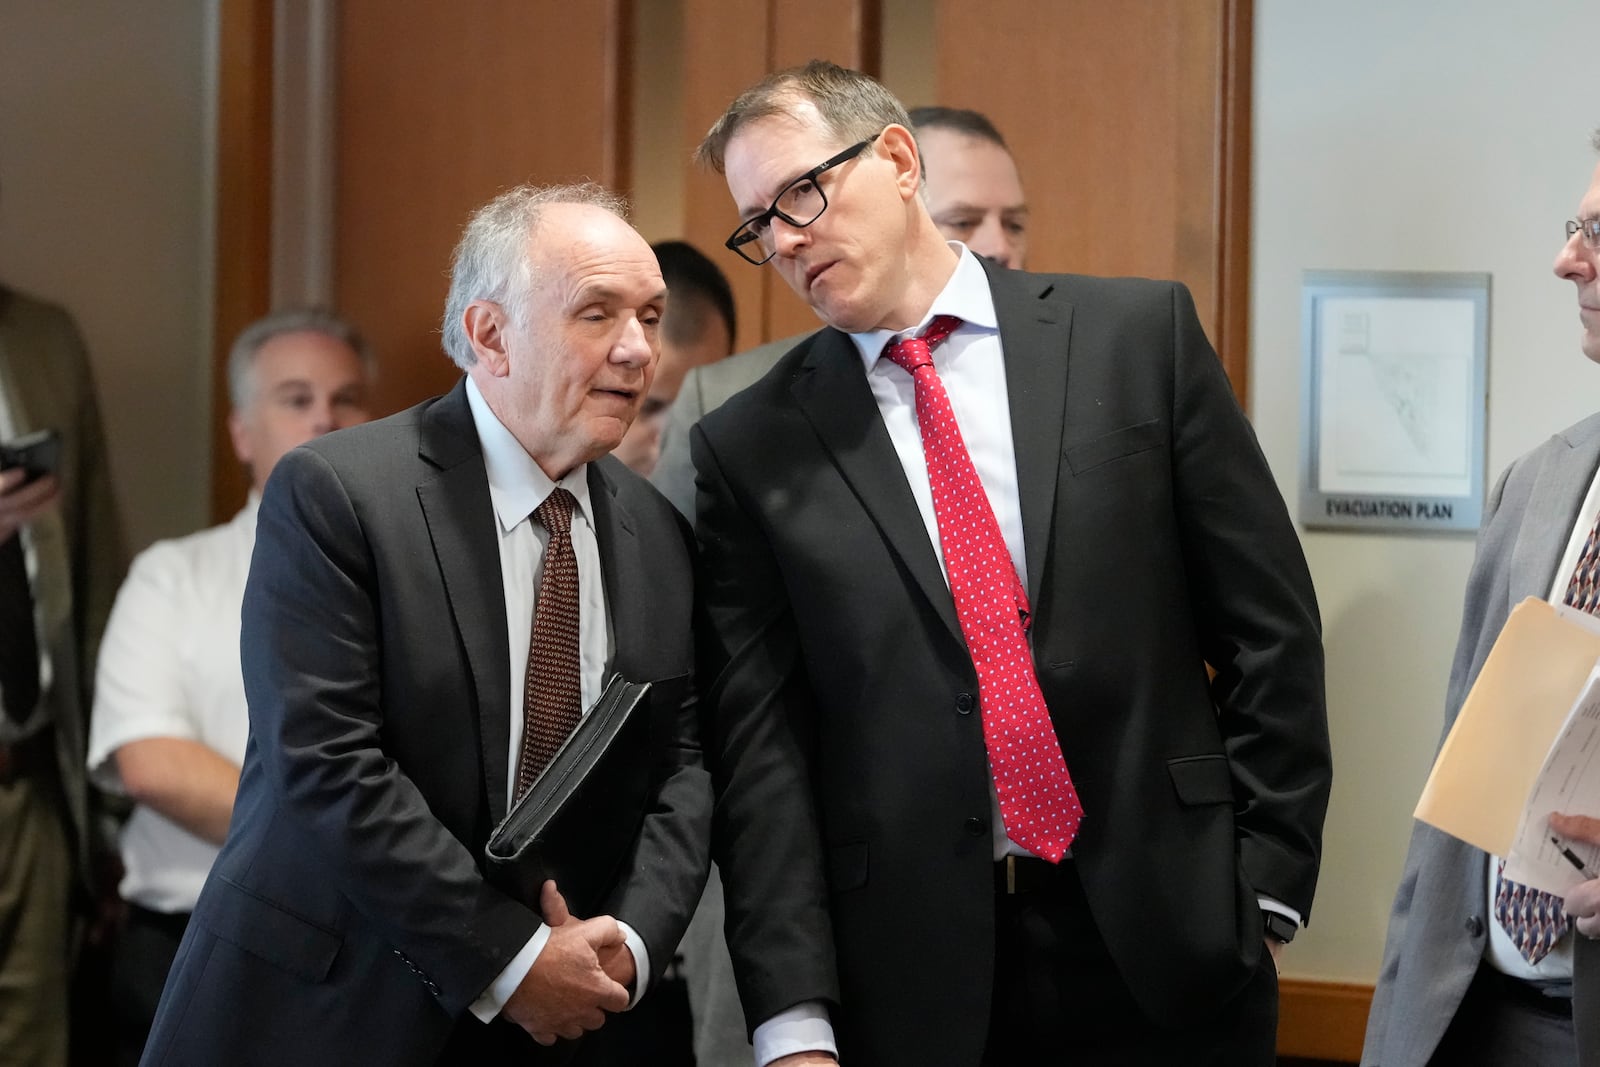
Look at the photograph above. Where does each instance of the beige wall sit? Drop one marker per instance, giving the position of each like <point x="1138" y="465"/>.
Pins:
<point x="1433" y="137"/>
<point x="103" y="206"/>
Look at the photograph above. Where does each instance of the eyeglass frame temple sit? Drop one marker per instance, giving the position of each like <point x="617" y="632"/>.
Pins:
<point x="773" y="211"/>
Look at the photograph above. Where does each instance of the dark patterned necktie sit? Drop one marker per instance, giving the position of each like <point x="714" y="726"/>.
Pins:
<point x="552" y="701"/>
<point x="1037" y="800"/>
<point x="1533" y="919"/>
<point x="19" y="646"/>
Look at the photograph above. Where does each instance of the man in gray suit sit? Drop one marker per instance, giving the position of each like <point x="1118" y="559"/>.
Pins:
<point x="1467" y="979"/>
<point x="974" y="194"/>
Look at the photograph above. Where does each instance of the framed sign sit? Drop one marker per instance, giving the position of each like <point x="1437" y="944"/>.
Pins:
<point x="1394" y="393"/>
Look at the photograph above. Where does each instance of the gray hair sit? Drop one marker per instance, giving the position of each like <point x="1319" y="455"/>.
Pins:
<point x="254" y="337"/>
<point x="489" y="261"/>
<point x="853" y="106"/>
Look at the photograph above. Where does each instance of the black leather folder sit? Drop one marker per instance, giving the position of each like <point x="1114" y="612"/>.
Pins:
<point x="578" y="819"/>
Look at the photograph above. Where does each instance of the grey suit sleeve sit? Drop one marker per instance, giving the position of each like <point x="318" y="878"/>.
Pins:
<point x="1427" y="960"/>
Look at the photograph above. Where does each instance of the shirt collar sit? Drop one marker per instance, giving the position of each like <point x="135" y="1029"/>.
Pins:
<point x="966" y="295"/>
<point x="517" y="485"/>
<point x="245" y="518"/>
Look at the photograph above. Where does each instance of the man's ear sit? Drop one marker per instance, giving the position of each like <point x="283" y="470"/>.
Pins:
<point x="901" y="148"/>
<point x="239" y="433"/>
<point x="485" y="323"/>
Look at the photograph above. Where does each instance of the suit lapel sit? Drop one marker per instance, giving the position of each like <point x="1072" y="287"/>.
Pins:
<point x="1034" y="330"/>
<point x="831" y="391"/>
<point x="1552" y="512"/>
<point x="460" y="516"/>
<point x="623" y="570"/>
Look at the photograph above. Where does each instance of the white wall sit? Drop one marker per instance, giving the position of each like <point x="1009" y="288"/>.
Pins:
<point x="103" y="147"/>
<point x="1428" y="136"/>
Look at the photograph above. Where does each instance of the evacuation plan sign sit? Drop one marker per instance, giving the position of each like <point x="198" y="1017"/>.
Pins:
<point x="1394" y="400"/>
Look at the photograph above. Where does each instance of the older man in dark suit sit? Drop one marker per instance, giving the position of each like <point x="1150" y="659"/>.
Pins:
<point x="968" y="552"/>
<point x="433" y="601"/>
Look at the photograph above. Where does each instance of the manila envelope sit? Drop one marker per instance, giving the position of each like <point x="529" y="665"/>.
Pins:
<point x="1486" y="767"/>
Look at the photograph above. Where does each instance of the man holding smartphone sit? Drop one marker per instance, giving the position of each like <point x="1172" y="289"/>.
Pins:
<point x="60" y="562"/>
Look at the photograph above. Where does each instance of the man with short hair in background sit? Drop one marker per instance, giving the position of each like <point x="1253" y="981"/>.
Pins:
<point x="697" y="330"/>
<point x="170" y="723"/>
<point x="974" y="193"/>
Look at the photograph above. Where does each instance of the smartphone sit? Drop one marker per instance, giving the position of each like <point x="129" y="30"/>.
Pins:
<point x="38" y="453"/>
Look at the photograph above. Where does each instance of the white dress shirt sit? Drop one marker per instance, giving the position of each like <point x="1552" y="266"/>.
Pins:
<point x="517" y="486"/>
<point x="1501" y="953"/>
<point x="169" y="667"/>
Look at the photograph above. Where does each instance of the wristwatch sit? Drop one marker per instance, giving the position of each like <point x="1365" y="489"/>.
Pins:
<point x="1278" y="927"/>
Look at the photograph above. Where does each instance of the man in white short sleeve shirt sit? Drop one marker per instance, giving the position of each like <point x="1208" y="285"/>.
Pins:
<point x="169" y="723"/>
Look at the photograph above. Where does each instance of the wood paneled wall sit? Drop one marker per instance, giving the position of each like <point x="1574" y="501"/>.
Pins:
<point x="1131" y="125"/>
<point x="440" y="107"/>
<point x="1132" y="133"/>
<point x="244" y="217"/>
<point x="728" y="46"/>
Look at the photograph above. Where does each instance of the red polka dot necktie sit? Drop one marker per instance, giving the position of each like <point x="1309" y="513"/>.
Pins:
<point x="1533" y="919"/>
<point x="552" y="696"/>
<point x="1037" y="801"/>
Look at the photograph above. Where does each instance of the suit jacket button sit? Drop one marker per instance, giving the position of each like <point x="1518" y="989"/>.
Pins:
<point x="964" y="704"/>
<point x="977" y="827"/>
<point x="1475" y="926"/>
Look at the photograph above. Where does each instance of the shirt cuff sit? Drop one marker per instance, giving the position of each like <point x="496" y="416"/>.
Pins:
<point x="802" y="1028"/>
<point x="641" y="963"/>
<point x="1280" y="908"/>
<point x="491" y="1000"/>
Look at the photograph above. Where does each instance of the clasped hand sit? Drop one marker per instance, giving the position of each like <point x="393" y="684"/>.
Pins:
<point x="583" y="972"/>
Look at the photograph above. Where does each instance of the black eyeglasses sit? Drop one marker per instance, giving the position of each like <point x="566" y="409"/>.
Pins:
<point x="1590" y="229"/>
<point x="800" y="204"/>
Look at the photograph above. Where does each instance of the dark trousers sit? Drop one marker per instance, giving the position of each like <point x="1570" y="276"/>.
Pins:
<point x="140" y="962"/>
<point x="1503" y="1020"/>
<point x="1058" y="996"/>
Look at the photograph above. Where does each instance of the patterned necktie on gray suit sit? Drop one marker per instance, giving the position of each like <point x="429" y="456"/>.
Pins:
<point x="1533" y="919"/>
